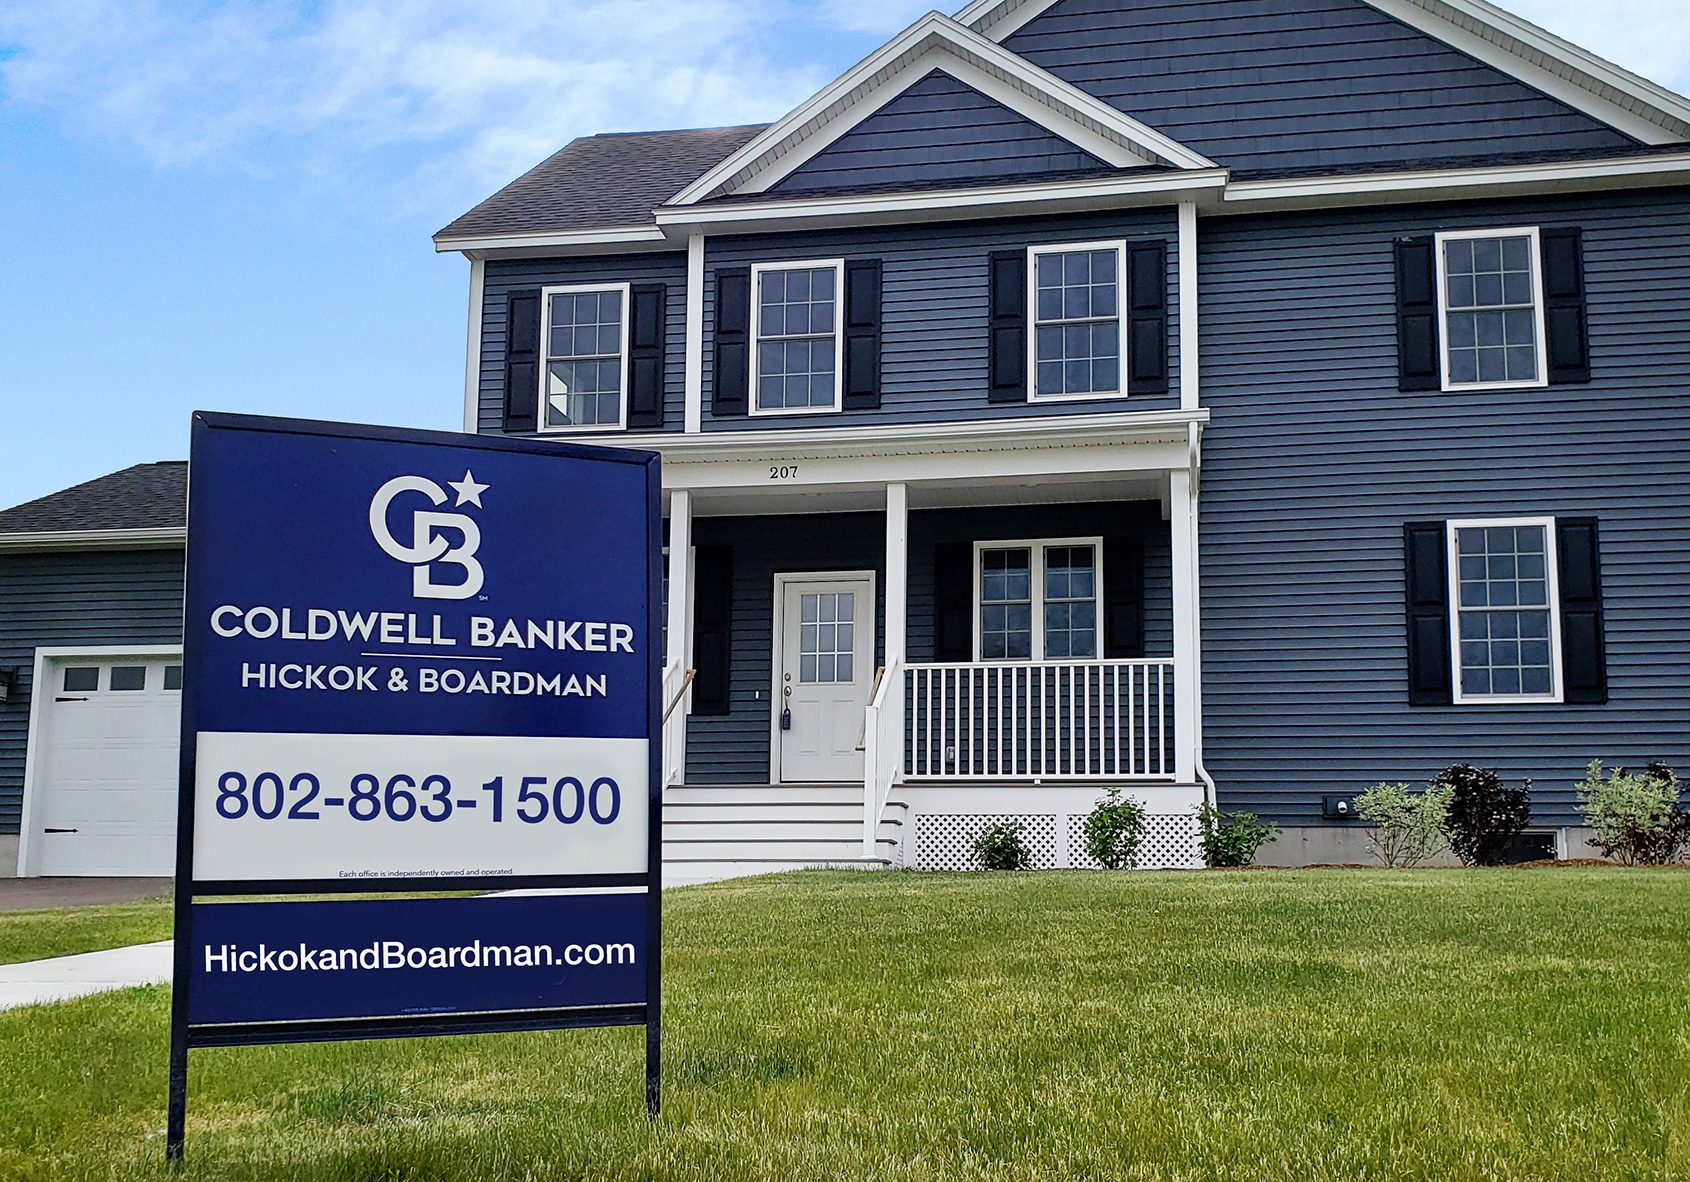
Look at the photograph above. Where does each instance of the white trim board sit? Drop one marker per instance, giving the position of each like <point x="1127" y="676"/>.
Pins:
<point x="1524" y="51"/>
<point x="32" y="737"/>
<point x="933" y="42"/>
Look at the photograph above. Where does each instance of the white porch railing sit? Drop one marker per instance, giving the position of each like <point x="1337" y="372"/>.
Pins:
<point x="1048" y="720"/>
<point x="883" y="749"/>
<point x="677" y="684"/>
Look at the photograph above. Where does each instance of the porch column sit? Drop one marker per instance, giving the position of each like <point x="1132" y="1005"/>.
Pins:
<point x="897" y="572"/>
<point x="1180" y="532"/>
<point x="679" y="617"/>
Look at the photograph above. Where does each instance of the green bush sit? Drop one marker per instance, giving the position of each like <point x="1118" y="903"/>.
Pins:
<point x="1000" y="847"/>
<point x="1637" y="820"/>
<point x="1484" y="813"/>
<point x="1114" y="830"/>
<point x="1232" y="839"/>
<point x="1408" y="826"/>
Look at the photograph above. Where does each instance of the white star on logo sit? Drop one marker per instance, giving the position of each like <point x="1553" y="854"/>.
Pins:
<point x="469" y="492"/>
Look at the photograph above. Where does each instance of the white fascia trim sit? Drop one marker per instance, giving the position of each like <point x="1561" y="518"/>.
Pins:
<point x="493" y="245"/>
<point x="472" y="346"/>
<point x="1557" y="67"/>
<point x="1537" y="57"/>
<point x="1066" y="430"/>
<point x="1484" y="180"/>
<point x="937" y="41"/>
<point x="983" y="202"/>
<point x="97" y="539"/>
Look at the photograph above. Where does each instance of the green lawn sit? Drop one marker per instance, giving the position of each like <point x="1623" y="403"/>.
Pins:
<point x="35" y="935"/>
<point x="1306" y="1025"/>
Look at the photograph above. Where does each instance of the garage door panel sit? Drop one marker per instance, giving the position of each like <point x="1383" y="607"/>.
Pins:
<point x="92" y="806"/>
<point x="121" y="852"/>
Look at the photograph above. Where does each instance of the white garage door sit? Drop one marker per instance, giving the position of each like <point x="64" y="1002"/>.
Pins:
<point x="103" y="791"/>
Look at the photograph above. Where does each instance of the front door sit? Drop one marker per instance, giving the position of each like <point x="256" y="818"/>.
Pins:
<point x="826" y="668"/>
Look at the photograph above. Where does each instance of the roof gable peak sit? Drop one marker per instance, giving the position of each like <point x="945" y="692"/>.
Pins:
<point x="937" y="42"/>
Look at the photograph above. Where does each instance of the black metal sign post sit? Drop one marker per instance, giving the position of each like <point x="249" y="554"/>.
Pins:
<point x="345" y="618"/>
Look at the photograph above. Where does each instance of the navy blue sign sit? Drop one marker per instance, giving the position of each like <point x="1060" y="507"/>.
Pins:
<point x="421" y="663"/>
<point x="415" y="957"/>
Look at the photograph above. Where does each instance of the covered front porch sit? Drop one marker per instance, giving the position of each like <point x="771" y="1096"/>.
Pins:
<point x="945" y="649"/>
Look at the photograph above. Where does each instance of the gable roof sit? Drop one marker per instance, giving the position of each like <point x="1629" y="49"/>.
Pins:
<point x="1612" y="94"/>
<point x="145" y="497"/>
<point x="600" y="181"/>
<point x="938" y="42"/>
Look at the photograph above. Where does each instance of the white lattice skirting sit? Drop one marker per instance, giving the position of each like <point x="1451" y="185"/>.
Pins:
<point x="945" y="841"/>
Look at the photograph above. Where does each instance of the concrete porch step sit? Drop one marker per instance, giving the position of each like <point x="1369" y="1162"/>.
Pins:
<point x="764" y="794"/>
<point x="753" y="810"/>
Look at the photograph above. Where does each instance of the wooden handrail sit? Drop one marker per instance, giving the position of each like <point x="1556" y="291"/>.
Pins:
<point x="873" y="693"/>
<point x="680" y="693"/>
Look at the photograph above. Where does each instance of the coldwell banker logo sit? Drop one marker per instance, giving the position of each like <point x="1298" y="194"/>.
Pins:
<point x="432" y="534"/>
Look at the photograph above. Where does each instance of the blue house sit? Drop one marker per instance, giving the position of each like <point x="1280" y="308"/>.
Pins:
<point x="1242" y="399"/>
<point x="1230" y="400"/>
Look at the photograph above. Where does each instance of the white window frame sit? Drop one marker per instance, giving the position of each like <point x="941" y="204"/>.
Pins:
<point x="1036" y="572"/>
<point x="1541" y="315"/>
<point x="758" y="270"/>
<point x="546" y="294"/>
<point x="1552" y="580"/>
<point x="1119" y="246"/>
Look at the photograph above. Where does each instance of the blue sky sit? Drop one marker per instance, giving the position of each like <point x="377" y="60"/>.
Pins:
<point x="228" y="205"/>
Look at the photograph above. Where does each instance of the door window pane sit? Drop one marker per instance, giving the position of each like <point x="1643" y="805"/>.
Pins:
<point x="827" y="638"/>
<point x="173" y="677"/>
<point x="129" y="677"/>
<point x="82" y="678"/>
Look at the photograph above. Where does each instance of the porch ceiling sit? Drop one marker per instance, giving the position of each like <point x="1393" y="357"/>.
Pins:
<point x="933" y="494"/>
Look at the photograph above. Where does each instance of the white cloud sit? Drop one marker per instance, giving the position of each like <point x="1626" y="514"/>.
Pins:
<point x="1647" y="37"/>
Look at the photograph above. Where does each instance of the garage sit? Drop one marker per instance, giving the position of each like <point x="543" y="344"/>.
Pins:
<point x="100" y="788"/>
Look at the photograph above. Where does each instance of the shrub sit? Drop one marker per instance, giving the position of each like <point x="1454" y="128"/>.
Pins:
<point x="1408" y="826"/>
<point x="1638" y="820"/>
<point x="1114" y="831"/>
<point x="1000" y="847"/>
<point x="1484" y="813"/>
<point x="1232" y="839"/>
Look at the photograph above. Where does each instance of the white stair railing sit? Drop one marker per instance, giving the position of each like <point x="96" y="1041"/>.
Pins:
<point x="1041" y="720"/>
<point x="883" y="750"/>
<point x="677" y="684"/>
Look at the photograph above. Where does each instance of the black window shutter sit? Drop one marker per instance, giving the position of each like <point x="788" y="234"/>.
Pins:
<point x="1147" y="318"/>
<point x="1563" y="300"/>
<point x="732" y="366"/>
<point x="712" y="632"/>
<point x="647" y="307"/>
<point x="1427" y="561"/>
<point x="522" y="361"/>
<point x="1123" y="589"/>
<point x="1008" y="343"/>
<point x="1584" y="676"/>
<point x="953" y="601"/>
<point x="862" y="334"/>
<point x="1418" y="366"/>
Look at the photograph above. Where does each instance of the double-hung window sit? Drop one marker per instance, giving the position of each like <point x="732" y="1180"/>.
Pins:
<point x="1037" y="600"/>
<point x="796" y="311"/>
<point x="1506" y="631"/>
<point x="1490" y="292"/>
<point x="1077" y="339"/>
<point x="585" y="378"/>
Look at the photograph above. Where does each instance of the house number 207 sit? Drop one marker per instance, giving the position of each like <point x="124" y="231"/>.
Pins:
<point x="783" y="471"/>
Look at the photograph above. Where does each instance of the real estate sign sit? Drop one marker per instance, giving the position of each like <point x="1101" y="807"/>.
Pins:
<point x="416" y="664"/>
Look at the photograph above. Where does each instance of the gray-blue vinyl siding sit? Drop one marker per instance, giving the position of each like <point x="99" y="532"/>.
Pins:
<point x="939" y="131"/>
<point x="62" y="599"/>
<point x="504" y="276"/>
<point x="1314" y="462"/>
<point x="935" y="305"/>
<point x="734" y="748"/>
<point x="1298" y="84"/>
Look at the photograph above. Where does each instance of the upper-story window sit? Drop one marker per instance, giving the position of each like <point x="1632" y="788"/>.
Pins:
<point x="1504" y="596"/>
<point x="1490" y="292"/>
<point x="586" y="342"/>
<point x="1037" y="600"/>
<point x="795" y="323"/>
<point x="1077" y="338"/>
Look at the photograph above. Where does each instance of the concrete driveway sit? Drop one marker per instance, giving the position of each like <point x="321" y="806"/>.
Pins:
<point x="37" y="894"/>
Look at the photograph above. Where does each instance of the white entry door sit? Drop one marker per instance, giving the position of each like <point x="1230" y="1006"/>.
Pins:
<point x="826" y="668"/>
<point x="104" y="775"/>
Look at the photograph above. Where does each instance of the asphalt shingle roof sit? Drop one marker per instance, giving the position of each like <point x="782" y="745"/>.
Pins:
<point x="601" y="181"/>
<point x="147" y="496"/>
